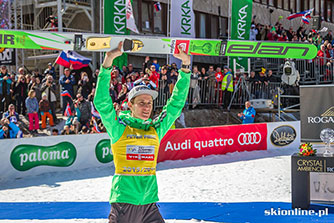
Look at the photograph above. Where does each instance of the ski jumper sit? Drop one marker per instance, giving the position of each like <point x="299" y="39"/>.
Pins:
<point x="135" y="142"/>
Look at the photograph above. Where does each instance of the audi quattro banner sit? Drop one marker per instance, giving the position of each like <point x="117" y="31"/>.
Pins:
<point x="182" y="144"/>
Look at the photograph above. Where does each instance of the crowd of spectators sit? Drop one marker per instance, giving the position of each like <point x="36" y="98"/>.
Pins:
<point x="35" y="95"/>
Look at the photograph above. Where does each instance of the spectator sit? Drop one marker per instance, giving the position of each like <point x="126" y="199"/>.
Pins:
<point x="55" y="132"/>
<point x="49" y="88"/>
<point x="145" y="81"/>
<point x="94" y="76"/>
<point x="67" y="81"/>
<point x="129" y="82"/>
<point x="85" y="110"/>
<point x="67" y="131"/>
<point x="248" y="114"/>
<point x="85" y="86"/>
<point x="289" y="33"/>
<point x="253" y="32"/>
<point x="32" y="110"/>
<point x="45" y="109"/>
<point x="38" y="75"/>
<point x="270" y="77"/>
<point x="204" y="75"/>
<point x="8" y="129"/>
<point x="194" y="90"/>
<point x="122" y="94"/>
<point x="171" y="79"/>
<point x="51" y="70"/>
<point x="12" y="115"/>
<point x="164" y="79"/>
<point x="227" y="86"/>
<point x="37" y="86"/>
<point x="130" y="69"/>
<point x="154" y="75"/>
<point x="5" y="88"/>
<point x="20" y="94"/>
<point x="157" y="66"/>
<point x="84" y="130"/>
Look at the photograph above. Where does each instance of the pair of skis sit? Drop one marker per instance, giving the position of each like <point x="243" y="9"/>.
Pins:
<point x="153" y="45"/>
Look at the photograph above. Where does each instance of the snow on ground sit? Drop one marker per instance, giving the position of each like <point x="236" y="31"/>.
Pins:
<point x="233" y="177"/>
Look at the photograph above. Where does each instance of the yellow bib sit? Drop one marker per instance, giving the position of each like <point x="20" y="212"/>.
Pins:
<point x="135" y="153"/>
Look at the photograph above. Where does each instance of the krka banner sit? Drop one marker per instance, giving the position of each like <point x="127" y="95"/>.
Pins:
<point x="115" y="23"/>
<point x="182" y="22"/>
<point x="241" y="18"/>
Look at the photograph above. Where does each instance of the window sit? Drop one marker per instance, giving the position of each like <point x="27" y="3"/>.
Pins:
<point x="146" y="16"/>
<point x="329" y="14"/>
<point x="224" y="26"/>
<point x="202" y="26"/>
<point x="158" y="16"/>
<point x="286" y="4"/>
<point x="214" y="27"/>
<point x="311" y="4"/>
<point x="298" y="6"/>
<point x="316" y="7"/>
<point x="279" y="3"/>
<point x="293" y="6"/>
<point x="271" y="2"/>
<point x="306" y="6"/>
<point x="322" y="8"/>
<point x="136" y="12"/>
<point x="332" y="12"/>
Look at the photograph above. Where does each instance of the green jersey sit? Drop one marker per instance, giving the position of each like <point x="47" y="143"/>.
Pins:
<point x="135" y="142"/>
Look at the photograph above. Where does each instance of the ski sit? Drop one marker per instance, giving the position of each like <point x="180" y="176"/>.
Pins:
<point x="23" y="39"/>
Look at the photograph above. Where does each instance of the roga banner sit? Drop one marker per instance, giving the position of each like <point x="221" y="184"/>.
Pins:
<point x="182" y="144"/>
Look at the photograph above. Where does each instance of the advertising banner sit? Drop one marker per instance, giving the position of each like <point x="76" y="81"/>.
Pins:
<point x="180" y="144"/>
<point x="241" y="18"/>
<point x="7" y="56"/>
<point x="33" y="156"/>
<point x="283" y="135"/>
<point x="182" y="22"/>
<point x="316" y="110"/>
<point x="322" y="186"/>
<point x="115" y="23"/>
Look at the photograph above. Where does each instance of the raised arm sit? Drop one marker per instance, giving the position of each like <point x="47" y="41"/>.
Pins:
<point x="172" y="110"/>
<point x="102" y="100"/>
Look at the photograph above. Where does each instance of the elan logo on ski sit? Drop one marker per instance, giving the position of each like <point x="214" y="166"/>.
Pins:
<point x="183" y="43"/>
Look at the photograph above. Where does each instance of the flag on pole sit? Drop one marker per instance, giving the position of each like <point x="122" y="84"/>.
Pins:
<point x="71" y="58"/>
<point x="66" y="94"/>
<point x="306" y="14"/>
<point x="130" y="20"/>
<point x="96" y="127"/>
<point x="157" y="6"/>
<point x="305" y="20"/>
<point x="68" y="111"/>
<point x="95" y="113"/>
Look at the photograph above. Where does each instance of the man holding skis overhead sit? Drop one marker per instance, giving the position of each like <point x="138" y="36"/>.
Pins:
<point x="135" y="140"/>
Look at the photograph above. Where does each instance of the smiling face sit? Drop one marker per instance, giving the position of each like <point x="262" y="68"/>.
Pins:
<point x="141" y="106"/>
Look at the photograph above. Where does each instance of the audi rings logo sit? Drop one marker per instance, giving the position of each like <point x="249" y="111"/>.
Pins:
<point x="249" y="138"/>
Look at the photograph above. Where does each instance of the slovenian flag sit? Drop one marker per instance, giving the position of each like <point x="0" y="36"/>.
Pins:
<point x="72" y="59"/>
<point x="305" y="20"/>
<point x="66" y="94"/>
<point x="68" y="111"/>
<point x="306" y="14"/>
<point x="95" y="113"/>
<point x="96" y="127"/>
<point x="157" y="6"/>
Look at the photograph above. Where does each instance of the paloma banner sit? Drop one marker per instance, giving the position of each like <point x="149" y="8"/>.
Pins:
<point x="33" y="156"/>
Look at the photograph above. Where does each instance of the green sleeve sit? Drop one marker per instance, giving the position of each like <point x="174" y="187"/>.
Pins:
<point x="172" y="110"/>
<point x="104" y="105"/>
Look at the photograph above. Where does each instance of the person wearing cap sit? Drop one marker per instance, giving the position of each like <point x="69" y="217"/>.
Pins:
<point x="253" y="32"/>
<point x="227" y="86"/>
<point x="135" y="140"/>
<point x="50" y="70"/>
